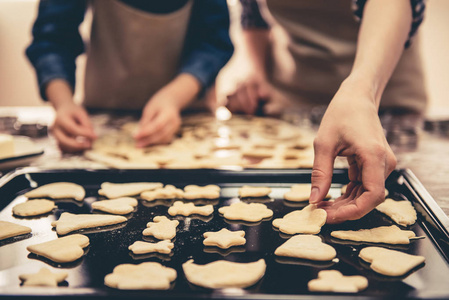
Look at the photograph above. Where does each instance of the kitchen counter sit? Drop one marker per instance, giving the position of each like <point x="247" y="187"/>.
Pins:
<point x="427" y="156"/>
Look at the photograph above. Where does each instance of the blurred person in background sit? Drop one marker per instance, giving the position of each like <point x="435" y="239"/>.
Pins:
<point x="349" y="56"/>
<point x="155" y="56"/>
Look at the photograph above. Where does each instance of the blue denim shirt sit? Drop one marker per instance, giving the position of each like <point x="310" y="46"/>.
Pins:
<point x="57" y="41"/>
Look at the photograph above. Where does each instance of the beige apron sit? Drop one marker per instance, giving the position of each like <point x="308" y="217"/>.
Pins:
<point x="321" y="47"/>
<point x="132" y="54"/>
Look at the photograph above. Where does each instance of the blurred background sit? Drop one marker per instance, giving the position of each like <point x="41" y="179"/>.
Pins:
<point x="18" y="86"/>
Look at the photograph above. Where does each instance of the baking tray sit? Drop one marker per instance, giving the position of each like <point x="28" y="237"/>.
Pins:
<point x="284" y="278"/>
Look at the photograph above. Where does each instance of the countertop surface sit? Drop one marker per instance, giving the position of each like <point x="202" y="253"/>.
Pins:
<point x="426" y="154"/>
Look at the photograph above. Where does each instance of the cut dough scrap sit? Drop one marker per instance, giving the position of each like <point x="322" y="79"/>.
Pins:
<point x="383" y="234"/>
<point x="210" y="191"/>
<point x="250" y="212"/>
<point x="402" y="212"/>
<point x="390" y="262"/>
<point x="117" y="190"/>
<point x="161" y="228"/>
<point x="224" y="274"/>
<point x="8" y="229"/>
<point x="33" y="208"/>
<point x="119" y="206"/>
<point x="144" y="276"/>
<point x="343" y="190"/>
<point x="187" y="209"/>
<point x="62" y="250"/>
<point x="43" y="278"/>
<point x="334" y="281"/>
<point x="70" y="222"/>
<point x="300" y="193"/>
<point x="167" y="192"/>
<point x="58" y="190"/>
<point x="254" y="191"/>
<point x="163" y="247"/>
<point x="224" y="238"/>
<point x="306" y="247"/>
<point x="309" y="220"/>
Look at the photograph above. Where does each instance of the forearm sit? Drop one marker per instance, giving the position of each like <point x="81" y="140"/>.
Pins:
<point x="383" y="33"/>
<point x="59" y="92"/>
<point x="182" y="90"/>
<point x="256" y="44"/>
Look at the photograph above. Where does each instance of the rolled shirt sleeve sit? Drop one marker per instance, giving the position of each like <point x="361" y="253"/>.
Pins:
<point x="208" y="45"/>
<point x="418" y="8"/>
<point x="56" y="41"/>
<point x="251" y="18"/>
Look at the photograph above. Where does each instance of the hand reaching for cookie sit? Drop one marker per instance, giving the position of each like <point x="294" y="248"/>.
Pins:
<point x="351" y="128"/>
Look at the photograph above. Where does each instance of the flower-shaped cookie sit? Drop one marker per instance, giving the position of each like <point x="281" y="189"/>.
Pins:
<point x="224" y="238"/>
<point x="144" y="276"/>
<point x="250" y="212"/>
<point x="309" y="220"/>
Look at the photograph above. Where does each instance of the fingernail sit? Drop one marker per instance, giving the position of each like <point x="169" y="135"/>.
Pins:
<point x="314" y="195"/>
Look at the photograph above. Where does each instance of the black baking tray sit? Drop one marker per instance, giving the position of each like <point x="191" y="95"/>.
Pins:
<point x="284" y="278"/>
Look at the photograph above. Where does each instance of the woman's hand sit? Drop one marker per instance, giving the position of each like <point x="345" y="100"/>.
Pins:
<point x="160" y="121"/>
<point x="72" y="128"/>
<point x="351" y="128"/>
<point x="250" y="93"/>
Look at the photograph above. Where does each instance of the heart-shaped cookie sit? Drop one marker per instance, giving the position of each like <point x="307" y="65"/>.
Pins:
<point x="306" y="247"/>
<point x="62" y="250"/>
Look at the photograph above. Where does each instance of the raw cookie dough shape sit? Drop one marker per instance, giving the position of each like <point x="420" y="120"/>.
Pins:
<point x="70" y="222"/>
<point x="192" y="192"/>
<point x="144" y="276"/>
<point x="383" y="234"/>
<point x="163" y="247"/>
<point x="32" y="208"/>
<point x="161" y="228"/>
<point x="309" y="220"/>
<point x="187" y="209"/>
<point x="58" y="190"/>
<point x="62" y="250"/>
<point x="254" y="191"/>
<point x="300" y="192"/>
<point x="250" y="212"/>
<point x="401" y="212"/>
<point x="306" y="247"/>
<point x="43" y="278"/>
<point x="167" y="192"/>
<point x="117" y="190"/>
<point x="224" y="274"/>
<point x="390" y="262"/>
<point x="334" y="281"/>
<point x="8" y="229"/>
<point x="119" y="206"/>
<point x="224" y="238"/>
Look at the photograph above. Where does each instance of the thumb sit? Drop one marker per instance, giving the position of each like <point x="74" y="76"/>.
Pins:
<point x="323" y="166"/>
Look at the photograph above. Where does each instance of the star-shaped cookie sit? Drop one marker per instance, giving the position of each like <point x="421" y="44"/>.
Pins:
<point x="43" y="278"/>
<point x="224" y="238"/>
<point x="334" y="281"/>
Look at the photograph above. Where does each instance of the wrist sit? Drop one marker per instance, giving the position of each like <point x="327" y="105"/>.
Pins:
<point x="363" y="84"/>
<point x="59" y="93"/>
<point x="180" y="91"/>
